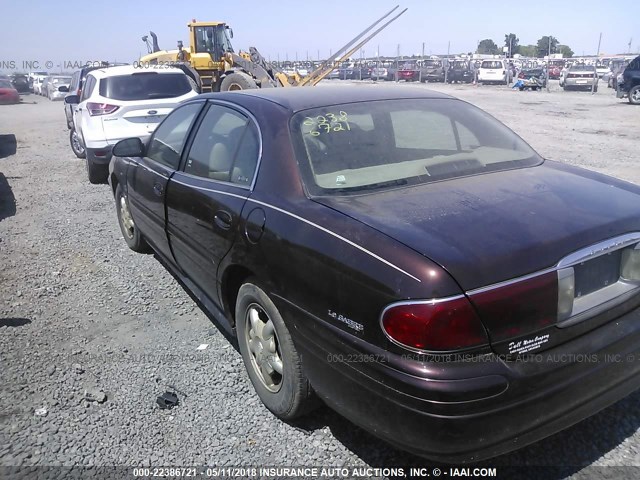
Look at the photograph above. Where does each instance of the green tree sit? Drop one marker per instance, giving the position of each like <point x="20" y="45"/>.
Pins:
<point x="528" y="50"/>
<point x="488" y="46"/>
<point x="544" y="43"/>
<point x="565" y="51"/>
<point x="512" y="42"/>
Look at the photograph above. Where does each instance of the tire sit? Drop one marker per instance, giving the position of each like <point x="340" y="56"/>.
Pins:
<point x="97" y="172"/>
<point x="76" y="144"/>
<point x="130" y="232"/>
<point x="287" y="395"/>
<point x="634" y="95"/>
<point x="237" y="81"/>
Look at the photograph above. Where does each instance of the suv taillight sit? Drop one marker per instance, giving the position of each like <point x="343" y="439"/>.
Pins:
<point x="101" y="108"/>
<point x="434" y="325"/>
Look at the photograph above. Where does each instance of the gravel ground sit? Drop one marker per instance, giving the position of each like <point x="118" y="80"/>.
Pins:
<point x="91" y="333"/>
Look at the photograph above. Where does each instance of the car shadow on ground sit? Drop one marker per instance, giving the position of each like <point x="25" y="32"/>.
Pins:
<point x="7" y="200"/>
<point x="8" y="145"/>
<point x="14" y="322"/>
<point x="588" y="441"/>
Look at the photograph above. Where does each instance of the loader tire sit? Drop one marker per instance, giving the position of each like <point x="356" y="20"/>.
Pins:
<point x="237" y="81"/>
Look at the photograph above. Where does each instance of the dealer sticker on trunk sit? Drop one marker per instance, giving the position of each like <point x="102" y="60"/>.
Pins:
<point x="529" y="344"/>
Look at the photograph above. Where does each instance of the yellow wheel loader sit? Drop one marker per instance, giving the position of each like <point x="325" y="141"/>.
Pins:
<point x="213" y="65"/>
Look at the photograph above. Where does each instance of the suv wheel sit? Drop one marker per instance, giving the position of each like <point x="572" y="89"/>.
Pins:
<point x="76" y="144"/>
<point x="271" y="360"/>
<point x="634" y="95"/>
<point x="97" y="172"/>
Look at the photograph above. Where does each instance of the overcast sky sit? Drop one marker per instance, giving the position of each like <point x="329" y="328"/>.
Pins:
<point x="81" y="31"/>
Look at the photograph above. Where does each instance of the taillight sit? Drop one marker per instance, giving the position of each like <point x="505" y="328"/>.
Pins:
<point x="435" y="325"/>
<point x="101" y="108"/>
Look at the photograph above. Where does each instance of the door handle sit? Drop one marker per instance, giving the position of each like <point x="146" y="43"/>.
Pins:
<point x="158" y="189"/>
<point x="223" y="219"/>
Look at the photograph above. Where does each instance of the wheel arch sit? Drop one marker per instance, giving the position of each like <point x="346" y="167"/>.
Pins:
<point x="232" y="279"/>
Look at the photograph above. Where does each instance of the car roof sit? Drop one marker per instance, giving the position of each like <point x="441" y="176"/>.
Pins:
<point x="302" y="98"/>
<point x="104" y="72"/>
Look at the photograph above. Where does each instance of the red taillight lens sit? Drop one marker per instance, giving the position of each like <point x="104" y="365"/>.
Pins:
<point x="438" y="325"/>
<point x="101" y="108"/>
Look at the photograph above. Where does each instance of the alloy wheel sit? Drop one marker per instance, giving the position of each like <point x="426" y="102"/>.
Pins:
<point x="125" y="217"/>
<point x="263" y="344"/>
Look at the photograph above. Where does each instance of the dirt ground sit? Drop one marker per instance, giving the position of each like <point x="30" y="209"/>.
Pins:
<point x="80" y="312"/>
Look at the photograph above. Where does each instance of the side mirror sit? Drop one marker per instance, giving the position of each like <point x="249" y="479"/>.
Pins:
<point x="129" y="147"/>
<point x="63" y="89"/>
<point x="71" y="99"/>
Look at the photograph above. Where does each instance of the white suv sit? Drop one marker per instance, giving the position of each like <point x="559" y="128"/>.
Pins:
<point x="122" y="102"/>
<point x="494" y="71"/>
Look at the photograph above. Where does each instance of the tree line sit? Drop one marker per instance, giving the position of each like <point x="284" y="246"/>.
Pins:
<point x="547" y="44"/>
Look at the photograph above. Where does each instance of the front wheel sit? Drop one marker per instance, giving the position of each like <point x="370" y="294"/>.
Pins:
<point x="271" y="359"/>
<point x="76" y="144"/>
<point x="634" y="95"/>
<point x="130" y="232"/>
<point x="237" y="81"/>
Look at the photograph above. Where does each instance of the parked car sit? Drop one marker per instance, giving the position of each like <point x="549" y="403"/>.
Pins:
<point x="57" y="87"/>
<point x="459" y="72"/>
<point x="581" y="77"/>
<point x="75" y="88"/>
<point x="324" y="226"/>
<point x="409" y="72"/>
<point x="494" y="71"/>
<point x="36" y="85"/>
<point x="533" y="79"/>
<point x="629" y="82"/>
<point x="44" y="87"/>
<point x="120" y="102"/>
<point x="602" y="70"/>
<point x="8" y="93"/>
<point x="20" y="83"/>
<point x="432" y="71"/>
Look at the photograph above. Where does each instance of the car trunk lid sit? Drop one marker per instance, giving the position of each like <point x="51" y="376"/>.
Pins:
<point x="487" y="230"/>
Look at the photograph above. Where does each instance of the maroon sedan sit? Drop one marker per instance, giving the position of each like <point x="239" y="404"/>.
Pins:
<point x="409" y="72"/>
<point x="8" y="94"/>
<point x="399" y="254"/>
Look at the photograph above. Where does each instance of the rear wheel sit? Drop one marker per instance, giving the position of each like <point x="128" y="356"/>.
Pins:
<point x="271" y="360"/>
<point x="634" y="95"/>
<point x="97" y="172"/>
<point x="76" y="144"/>
<point x="237" y="81"/>
<point x="130" y="232"/>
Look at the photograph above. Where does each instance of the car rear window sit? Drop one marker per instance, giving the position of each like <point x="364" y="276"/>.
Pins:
<point x="6" y="84"/>
<point x="351" y="148"/>
<point x="145" y="86"/>
<point x="491" y="65"/>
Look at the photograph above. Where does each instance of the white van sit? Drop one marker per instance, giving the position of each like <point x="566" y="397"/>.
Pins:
<point x="494" y="71"/>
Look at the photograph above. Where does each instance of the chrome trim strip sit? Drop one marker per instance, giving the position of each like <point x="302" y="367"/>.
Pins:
<point x="574" y="258"/>
<point x="598" y="249"/>
<point x="506" y="283"/>
<point x="308" y="222"/>
<point x="416" y="302"/>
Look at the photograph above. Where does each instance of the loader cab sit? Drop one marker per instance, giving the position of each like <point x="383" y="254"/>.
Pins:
<point x="211" y="38"/>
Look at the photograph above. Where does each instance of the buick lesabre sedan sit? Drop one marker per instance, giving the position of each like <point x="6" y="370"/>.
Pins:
<point x="398" y="254"/>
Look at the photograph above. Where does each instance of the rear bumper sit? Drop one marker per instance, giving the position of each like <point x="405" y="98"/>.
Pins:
<point x="471" y="409"/>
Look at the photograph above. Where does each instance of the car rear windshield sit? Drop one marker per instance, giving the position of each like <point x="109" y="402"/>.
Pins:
<point x="353" y="148"/>
<point x="61" y="80"/>
<point x="5" y="84"/>
<point x="145" y="86"/>
<point x="589" y="68"/>
<point x="491" y="65"/>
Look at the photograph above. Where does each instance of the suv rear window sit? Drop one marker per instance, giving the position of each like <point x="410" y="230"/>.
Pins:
<point x="145" y="86"/>
<point x="491" y="65"/>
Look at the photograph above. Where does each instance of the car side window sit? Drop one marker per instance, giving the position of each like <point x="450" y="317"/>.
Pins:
<point x="225" y="148"/>
<point x="169" y="138"/>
